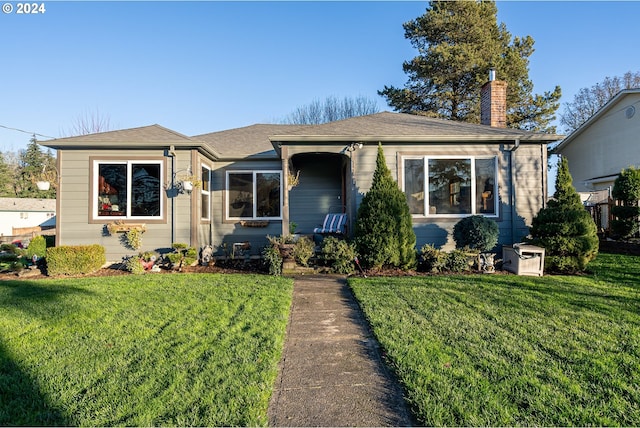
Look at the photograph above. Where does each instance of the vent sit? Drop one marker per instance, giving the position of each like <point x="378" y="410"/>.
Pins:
<point x="630" y="111"/>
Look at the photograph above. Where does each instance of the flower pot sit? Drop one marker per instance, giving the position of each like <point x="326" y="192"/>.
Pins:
<point x="43" y="185"/>
<point x="187" y="186"/>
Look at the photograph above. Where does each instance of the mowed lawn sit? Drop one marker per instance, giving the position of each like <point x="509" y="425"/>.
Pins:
<point x="505" y="350"/>
<point x="163" y="349"/>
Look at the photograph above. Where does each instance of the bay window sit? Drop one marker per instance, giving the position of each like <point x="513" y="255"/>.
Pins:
<point x="450" y="186"/>
<point x="254" y="194"/>
<point x="127" y="189"/>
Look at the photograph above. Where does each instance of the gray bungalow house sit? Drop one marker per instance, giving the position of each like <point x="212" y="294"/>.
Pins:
<point x="448" y="170"/>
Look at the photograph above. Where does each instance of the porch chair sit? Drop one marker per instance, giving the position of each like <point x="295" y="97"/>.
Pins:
<point x="334" y="223"/>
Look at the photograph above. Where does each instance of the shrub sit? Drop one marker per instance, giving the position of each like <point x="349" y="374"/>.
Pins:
<point x="458" y="261"/>
<point x="476" y="232"/>
<point x="73" y="260"/>
<point x="183" y="255"/>
<point x="564" y="228"/>
<point x="11" y="258"/>
<point x="134" y="265"/>
<point x="384" y="233"/>
<point x="626" y="190"/>
<point x="303" y="251"/>
<point x="37" y="247"/>
<point x="272" y="258"/>
<point x="337" y="254"/>
<point x="431" y="259"/>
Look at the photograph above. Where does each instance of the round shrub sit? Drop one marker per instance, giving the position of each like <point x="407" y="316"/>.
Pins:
<point x="338" y="254"/>
<point x="431" y="259"/>
<point x="476" y="232"/>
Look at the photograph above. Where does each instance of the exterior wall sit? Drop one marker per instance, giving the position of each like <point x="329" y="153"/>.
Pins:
<point x="529" y="169"/>
<point x="606" y="147"/>
<point x="227" y="232"/>
<point x="74" y="223"/>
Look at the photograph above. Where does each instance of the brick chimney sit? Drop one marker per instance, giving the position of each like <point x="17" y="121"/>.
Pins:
<point x="493" y="102"/>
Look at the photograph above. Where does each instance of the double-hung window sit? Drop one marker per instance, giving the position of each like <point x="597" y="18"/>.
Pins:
<point x="254" y="195"/>
<point x="450" y="186"/>
<point x="127" y="189"/>
<point x="205" y="194"/>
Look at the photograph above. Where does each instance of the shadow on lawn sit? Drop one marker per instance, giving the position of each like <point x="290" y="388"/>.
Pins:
<point x="22" y="403"/>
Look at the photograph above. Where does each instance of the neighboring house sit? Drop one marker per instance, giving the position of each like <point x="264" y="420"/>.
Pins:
<point x="448" y="170"/>
<point x="20" y="216"/>
<point x="604" y="145"/>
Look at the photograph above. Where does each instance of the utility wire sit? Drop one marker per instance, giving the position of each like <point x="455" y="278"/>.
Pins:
<point x="26" y="132"/>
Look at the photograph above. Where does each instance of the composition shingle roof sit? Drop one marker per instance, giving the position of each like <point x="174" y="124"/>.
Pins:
<point x="247" y="141"/>
<point x="27" y="204"/>
<point x="387" y="126"/>
<point x="148" y="135"/>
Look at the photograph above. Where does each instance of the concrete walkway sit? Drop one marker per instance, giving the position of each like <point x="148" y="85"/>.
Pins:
<point x="331" y="373"/>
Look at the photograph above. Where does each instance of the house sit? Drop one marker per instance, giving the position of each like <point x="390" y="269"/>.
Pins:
<point x="604" y="145"/>
<point x="447" y="169"/>
<point x="24" y="216"/>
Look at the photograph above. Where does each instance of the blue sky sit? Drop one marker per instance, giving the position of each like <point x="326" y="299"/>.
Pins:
<point x="199" y="67"/>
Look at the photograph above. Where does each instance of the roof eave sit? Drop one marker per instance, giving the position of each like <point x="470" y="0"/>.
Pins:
<point x="534" y="138"/>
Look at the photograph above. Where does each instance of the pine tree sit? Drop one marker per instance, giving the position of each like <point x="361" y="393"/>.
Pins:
<point x="6" y="179"/>
<point x="458" y="42"/>
<point x="564" y="228"/>
<point x="31" y="168"/>
<point x="384" y="235"/>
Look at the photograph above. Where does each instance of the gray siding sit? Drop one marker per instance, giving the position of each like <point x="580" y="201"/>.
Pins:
<point x="75" y="227"/>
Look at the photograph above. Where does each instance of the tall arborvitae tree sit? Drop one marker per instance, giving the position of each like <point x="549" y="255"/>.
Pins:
<point x="564" y="228"/>
<point x="626" y="192"/>
<point x="384" y="235"/>
<point x="458" y="42"/>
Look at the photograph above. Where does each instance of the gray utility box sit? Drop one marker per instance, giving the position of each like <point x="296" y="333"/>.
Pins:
<point x="523" y="259"/>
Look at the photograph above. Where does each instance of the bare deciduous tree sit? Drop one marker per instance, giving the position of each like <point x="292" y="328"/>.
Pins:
<point x="589" y="100"/>
<point x="331" y="109"/>
<point x="89" y="122"/>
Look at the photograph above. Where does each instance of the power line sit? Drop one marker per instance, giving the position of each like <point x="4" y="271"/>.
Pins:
<point x="26" y="132"/>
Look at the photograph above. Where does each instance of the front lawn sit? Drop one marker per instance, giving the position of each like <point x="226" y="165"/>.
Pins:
<point x="165" y="349"/>
<point x="505" y="350"/>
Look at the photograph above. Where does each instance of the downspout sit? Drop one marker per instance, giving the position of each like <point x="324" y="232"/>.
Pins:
<point x="512" y="188"/>
<point x="172" y="152"/>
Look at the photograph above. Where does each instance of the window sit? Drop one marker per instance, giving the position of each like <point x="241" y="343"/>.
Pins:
<point x="127" y="189"/>
<point x="205" y="194"/>
<point x="254" y="194"/>
<point x="450" y="186"/>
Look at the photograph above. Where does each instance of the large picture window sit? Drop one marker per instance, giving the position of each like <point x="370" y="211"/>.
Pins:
<point x="254" y="194"/>
<point x="450" y="186"/>
<point x="127" y="189"/>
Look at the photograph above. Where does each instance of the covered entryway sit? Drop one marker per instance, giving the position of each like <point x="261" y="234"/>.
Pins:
<point x="322" y="189"/>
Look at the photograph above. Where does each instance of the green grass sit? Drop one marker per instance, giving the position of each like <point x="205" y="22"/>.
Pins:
<point x="181" y="349"/>
<point x="505" y="350"/>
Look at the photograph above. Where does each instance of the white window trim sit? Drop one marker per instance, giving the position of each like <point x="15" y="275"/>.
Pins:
<point x="254" y="190"/>
<point x="129" y="164"/>
<point x="206" y="192"/>
<point x="425" y="184"/>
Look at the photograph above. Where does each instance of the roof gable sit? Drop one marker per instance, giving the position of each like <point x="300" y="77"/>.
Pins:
<point x="609" y="106"/>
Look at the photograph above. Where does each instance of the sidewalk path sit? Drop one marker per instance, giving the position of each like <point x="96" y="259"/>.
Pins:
<point x="331" y="373"/>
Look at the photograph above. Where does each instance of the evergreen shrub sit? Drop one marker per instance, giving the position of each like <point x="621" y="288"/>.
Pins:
<point x="384" y="233"/>
<point x="564" y="228"/>
<point x="476" y="232"/>
<point x="337" y="254"/>
<point x="74" y="260"/>
<point x="626" y="190"/>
